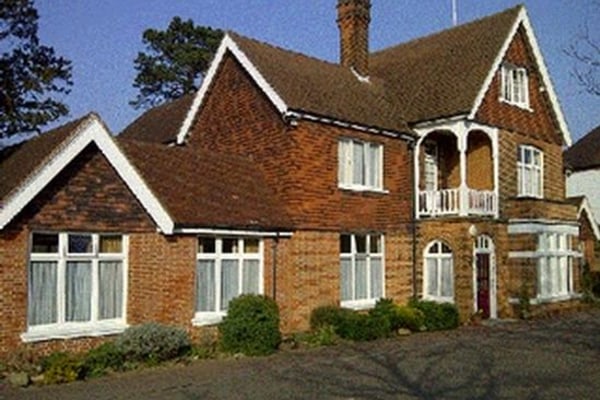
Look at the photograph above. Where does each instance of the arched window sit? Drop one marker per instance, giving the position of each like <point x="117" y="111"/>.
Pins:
<point x="438" y="273"/>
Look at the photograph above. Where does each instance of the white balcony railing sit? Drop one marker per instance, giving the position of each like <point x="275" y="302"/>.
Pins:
<point x="457" y="202"/>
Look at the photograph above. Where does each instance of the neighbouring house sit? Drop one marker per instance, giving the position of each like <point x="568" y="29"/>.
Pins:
<point x="432" y="169"/>
<point x="582" y="162"/>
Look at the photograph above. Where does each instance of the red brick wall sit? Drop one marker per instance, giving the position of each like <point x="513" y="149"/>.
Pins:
<point x="87" y="196"/>
<point x="300" y="162"/>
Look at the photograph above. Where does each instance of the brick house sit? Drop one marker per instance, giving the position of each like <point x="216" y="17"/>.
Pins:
<point x="432" y="169"/>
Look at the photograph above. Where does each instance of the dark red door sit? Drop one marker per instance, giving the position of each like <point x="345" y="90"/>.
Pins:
<point x="483" y="284"/>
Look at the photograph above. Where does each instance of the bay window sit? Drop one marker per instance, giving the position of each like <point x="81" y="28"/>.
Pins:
<point x="555" y="265"/>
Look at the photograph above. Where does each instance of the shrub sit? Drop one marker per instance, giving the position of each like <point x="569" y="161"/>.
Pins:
<point x="409" y="318"/>
<point x="103" y="358"/>
<point x="251" y="326"/>
<point x="153" y="343"/>
<point x="363" y="327"/>
<point x="60" y="367"/>
<point x="437" y="316"/>
<point x="325" y="316"/>
<point x="385" y="309"/>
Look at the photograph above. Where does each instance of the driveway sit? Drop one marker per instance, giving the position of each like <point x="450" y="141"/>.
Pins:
<point x="546" y="359"/>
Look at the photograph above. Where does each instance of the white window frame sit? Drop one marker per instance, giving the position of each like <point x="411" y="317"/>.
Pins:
<point x="370" y="300"/>
<point x="515" y="86"/>
<point x="530" y="175"/>
<point x="202" y="318"/>
<point x="62" y="329"/>
<point x="346" y="160"/>
<point x="555" y="266"/>
<point x="439" y="256"/>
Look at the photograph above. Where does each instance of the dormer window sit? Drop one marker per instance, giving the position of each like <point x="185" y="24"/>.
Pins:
<point x="515" y="87"/>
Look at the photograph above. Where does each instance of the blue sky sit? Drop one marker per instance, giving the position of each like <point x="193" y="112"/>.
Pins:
<point x="102" y="38"/>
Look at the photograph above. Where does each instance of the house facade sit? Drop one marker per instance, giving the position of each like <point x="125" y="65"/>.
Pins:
<point x="432" y="169"/>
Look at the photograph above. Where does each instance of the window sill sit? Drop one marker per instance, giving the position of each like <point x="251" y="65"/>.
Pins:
<point x="522" y="106"/>
<point x="439" y="299"/>
<point x="208" y="318"/>
<point x="72" y="331"/>
<point x="364" y="189"/>
<point x="358" y="305"/>
<point x="551" y="299"/>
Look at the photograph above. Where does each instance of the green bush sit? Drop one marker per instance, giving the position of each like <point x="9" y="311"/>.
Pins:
<point x="251" y="326"/>
<point x="325" y="316"/>
<point x="437" y="316"/>
<point x="153" y="343"/>
<point x="385" y="309"/>
<point x="363" y="327"/>
<point x="409" y="318"/>
<point x="106" y="357"/>
<point x="60" y="367"/>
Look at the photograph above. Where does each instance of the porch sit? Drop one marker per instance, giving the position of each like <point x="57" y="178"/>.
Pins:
<point x="456" y="171"/>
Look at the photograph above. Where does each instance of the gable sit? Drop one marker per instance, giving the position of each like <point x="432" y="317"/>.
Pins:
<point x="523" y="31"/>
<point x="87" y="194"/>
<point x="52" y="161"/>
<point x="538" y="121"/>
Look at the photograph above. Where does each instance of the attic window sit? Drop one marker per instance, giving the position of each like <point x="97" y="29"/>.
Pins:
<point x="515" y="87"/>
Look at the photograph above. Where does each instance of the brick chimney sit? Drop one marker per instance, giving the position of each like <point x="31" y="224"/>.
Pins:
<point x="353" y="20"/>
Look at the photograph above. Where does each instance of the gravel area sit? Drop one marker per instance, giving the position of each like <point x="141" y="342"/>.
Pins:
<point x="554" y="358"/>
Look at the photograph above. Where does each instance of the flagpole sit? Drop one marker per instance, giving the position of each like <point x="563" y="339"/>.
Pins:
<point x="454" y="13"/>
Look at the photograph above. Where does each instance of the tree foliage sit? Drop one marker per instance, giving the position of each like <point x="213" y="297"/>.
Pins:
<point x="174" y="62"/>
<point x="31" y="74"/>
<point x="584" y="49"/>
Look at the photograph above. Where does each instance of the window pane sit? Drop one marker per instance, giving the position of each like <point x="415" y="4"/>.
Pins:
<point x="342" y="162"/>
<point x="346" y="279"/>
<point x="361" y="244"/>
<point x="111" y="244"/>
<point x="358" y="161"/>
<point x="78" y="291"/>
<point x="432" y="277"/>
<point x="447" y="278"/>
<point x="373" y="179"/>
<point x="376" y="278"/>
<point x="229" y="282"/>
<point x="42" y="293"/>
<point x="206" y="245"/>
<point x="44" y="243"/>
<point x="230" y="246"/>
<point x="251" y="245"/>
<point x="375" y="244"/>
<point x="205" y="286"/>
<point x="110" y="288"/>
<point x="360" y="278"/>
<point x="80" y="244"/>
<point x="345" y="244"/>
<point x="250" y="277"/>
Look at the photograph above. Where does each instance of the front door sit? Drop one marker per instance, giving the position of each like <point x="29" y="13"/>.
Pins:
<point x="483" y="284"/>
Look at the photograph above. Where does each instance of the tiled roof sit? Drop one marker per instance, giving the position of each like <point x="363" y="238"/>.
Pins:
<point x="160" y="124"/>
<point x="202" y="189"/>
<point x="441" y="75"/>
<point x="19" y="162"/>
<point x="321" y="88"/>
<point x="584" y="154"/>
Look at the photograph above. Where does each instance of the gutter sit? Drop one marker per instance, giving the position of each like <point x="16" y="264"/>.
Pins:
<point x="293" y="116"/>
<point x="413" y="222"/>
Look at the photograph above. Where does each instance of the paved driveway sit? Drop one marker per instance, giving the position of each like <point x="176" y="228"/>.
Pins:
<point x="547" y="359"/>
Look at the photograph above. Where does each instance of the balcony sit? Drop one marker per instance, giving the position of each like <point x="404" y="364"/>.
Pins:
<point x="458" y="202"/>
<point x="456" y="171"/>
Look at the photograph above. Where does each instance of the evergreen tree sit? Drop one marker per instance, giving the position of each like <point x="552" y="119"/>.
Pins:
<point x="174" y="62"/>
<point x="30" y="73"/>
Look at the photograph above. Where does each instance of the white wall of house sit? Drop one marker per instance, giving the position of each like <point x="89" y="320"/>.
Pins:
<point x="586" y="183"/>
